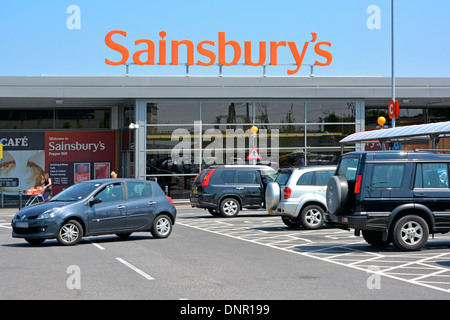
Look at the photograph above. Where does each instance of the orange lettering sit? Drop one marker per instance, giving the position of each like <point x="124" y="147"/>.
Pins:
<point x="117" y="47"/>
<point x="150" y="52"/>
<point x="273" y="51"/>
<point x="162" y="48"/>
<point x="297" y="57"/>
<point x="190" y="51"/>
<point x="222" y="45"/>
<point x="207" y="53"/>
<point x="220" y="55"/>
<point x="323" y="53"/>
<point x="248" y="53"/>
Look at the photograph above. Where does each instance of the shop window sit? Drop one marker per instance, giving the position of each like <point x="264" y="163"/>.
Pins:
<point x="227" y="112"/>
<point x="283" y="113"/>
<point x="167" y="137"/>
<point x="173" y="113"/>
<point x="329" y="112"/>
<point x="282" y="124"/>
<point x="83" y="119"/>
<point x="407" y="116"/>
<point x="438" y="114"/>
<point x="327" y="135"/>
<point x="27" y="119"/>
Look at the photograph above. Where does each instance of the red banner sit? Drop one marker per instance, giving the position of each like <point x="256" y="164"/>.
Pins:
<point x="73" y="157"/>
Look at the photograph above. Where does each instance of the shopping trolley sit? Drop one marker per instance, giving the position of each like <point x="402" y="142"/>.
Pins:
<point x="36" y="195"/>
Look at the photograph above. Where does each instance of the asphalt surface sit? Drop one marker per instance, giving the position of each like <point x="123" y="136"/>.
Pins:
<point x="253" y="256"/>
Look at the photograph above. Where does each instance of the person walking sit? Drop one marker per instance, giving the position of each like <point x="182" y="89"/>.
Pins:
<point x="48" y="188"/>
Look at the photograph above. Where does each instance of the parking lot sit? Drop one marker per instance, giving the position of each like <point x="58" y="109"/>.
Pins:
<point x="429" y="267"/>
<point x="251" y="256"/>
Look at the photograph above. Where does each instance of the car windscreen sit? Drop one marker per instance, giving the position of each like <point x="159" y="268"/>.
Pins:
<point x="348" y="167"/>
<point x="76" y="192"/>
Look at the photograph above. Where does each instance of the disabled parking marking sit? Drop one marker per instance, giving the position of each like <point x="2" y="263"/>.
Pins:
<point x="137" y="270"/>
<point x="428" y="268"/>
<point x="5" y="224"/>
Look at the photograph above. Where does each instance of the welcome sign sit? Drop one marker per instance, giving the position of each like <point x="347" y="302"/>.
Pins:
<point x="214" y="51"/>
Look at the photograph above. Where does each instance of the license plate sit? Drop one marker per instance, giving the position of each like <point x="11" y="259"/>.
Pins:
<point x="270" y="211"/>
<point x="21" y="224"/>
<point x="194" y="191"/>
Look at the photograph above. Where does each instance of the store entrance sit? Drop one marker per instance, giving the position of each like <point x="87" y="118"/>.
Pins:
<point x="127" y="161"/>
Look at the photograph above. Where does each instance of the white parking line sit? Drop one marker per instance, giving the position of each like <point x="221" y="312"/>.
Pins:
<point x="129" y="265"/>
<point x="96" y="244"/>
<point x="339" y="249"/>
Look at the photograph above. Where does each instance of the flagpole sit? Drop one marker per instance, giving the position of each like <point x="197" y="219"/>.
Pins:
<point x="392" y="57"/>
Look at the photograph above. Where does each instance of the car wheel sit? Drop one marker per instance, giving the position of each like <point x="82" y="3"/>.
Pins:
<point x="291" y="223"/>
<point x="34" y="242"/>
<point x="70" y="233"/>
<point x="162" y="227"/>
<point x="311" y="217"/>
<point x="410" y="233"/>
<point x="229" y="207"/>
<point x="375" y="238"/>
<point x="214" y="212"/>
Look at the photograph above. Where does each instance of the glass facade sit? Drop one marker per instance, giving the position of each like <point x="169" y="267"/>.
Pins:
<point x="183" y="137"/>
<point x="99" y="118"/>
<point x="170" y="129"/>
<point x="418" y="113"/>
<point x="83" y="118"/>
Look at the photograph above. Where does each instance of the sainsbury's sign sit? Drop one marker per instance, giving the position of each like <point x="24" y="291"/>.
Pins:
<point x="213" y="52"/>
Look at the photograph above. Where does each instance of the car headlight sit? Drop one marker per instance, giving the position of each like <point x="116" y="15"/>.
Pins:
<point x="49" y="213"/>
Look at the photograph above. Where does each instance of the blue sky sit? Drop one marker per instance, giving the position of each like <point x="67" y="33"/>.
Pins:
<point x="35" y="39"/>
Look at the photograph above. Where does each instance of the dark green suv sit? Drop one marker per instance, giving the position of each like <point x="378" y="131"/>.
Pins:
<point x="391" y="197"/>
<point x="226" y="189"/>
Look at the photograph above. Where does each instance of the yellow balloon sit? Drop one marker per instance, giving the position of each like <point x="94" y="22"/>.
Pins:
<point x="254" y="129"/>
<point x="381" y="121"/>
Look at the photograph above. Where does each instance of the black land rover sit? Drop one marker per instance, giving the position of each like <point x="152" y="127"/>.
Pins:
<point x="394" y="197"/>
<point x="225" y="189"/>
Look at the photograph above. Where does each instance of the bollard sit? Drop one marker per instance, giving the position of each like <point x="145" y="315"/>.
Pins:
<point x="20" y="199"/>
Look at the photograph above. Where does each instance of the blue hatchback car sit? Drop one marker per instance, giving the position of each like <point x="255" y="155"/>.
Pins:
<point x="96" y="207"/>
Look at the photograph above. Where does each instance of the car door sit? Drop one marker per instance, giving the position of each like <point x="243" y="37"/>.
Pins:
<point x="388" y="186"/>
<point x="141" y="204"/>
<point x="431" y="189"/>
<point x="248" y="185"/>
<point x="109" y="214"/>
<point x="320" y="187"/>
<point x="304" y="187"/>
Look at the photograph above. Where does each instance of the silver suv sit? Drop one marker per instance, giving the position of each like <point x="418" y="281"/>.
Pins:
<point x="299" y="195"/>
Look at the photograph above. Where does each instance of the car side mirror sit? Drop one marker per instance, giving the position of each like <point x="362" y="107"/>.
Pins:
<point x="95" y="201"/>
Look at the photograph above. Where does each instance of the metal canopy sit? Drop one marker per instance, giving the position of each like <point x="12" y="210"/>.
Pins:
<point x="432" y="130"/>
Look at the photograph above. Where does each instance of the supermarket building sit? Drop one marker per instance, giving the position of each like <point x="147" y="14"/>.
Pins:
<point x="83" y="127"/>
